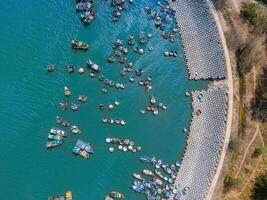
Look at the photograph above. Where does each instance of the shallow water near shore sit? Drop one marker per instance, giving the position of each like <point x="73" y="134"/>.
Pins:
<point x="36" y="33"/>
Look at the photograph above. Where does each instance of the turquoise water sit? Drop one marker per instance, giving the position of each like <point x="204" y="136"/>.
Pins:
<point x="36" y="33"/>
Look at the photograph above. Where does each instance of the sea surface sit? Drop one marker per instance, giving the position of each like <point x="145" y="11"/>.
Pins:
<point x="37" y="33"/>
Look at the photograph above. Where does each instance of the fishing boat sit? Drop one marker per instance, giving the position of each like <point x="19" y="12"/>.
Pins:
<point x="145" y="159"/>
<point x="82" y="98"/>
<point x="148" y="172"/>
<point x="88" y="16"/>
<point x="75" y="130"/>
<point x="79" y="45"/>
<point x="57" y="131"/>
<point x="83" y="6"/>
<point x="77" y="150"/>
<point x="70" y="68"/>
<point x="53" y="143"/>
<point x="67" y="91"/>
<point x="94" y="67"/>
<point x="138" y="186"/>
<point x="50" y="68"/>
<point x="160" y="174"/>
<point x="68" y="195"/>
<point x="138" y="176"/>
<point x="84" y="146"/>
<point x="111" y="59"/>
<point x="117" y="195"/>
<point x="74" y="106"/>
<point x="55" y="137"/>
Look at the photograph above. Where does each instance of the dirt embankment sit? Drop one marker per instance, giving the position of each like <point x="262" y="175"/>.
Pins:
<point x="246" y="133"/>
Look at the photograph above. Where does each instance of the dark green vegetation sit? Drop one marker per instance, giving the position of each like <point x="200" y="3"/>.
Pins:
<point x="256" y="14"/>
<point x="259" y="191"/>
<point x="260" y="107"/>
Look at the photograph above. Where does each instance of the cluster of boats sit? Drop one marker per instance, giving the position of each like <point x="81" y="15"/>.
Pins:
<point x="55" y="137"/>
<point x="122" y="145"/>
<point x="119" y="7"/>
<point x="110" y="106"/>
<point x="71" y="69"/>
<point x="114" y="195"/>
<point x="121" y="122"/>
<point x="164" y="19"/>
<point x="158" y="184"/>
<point x="171" y="53"/>
<point x="87" y="11"/>
<point x="154" y="107"/>
<point x="68" y="196"/>
<point x="83" y="149"/>
<point x="74" y="129"/>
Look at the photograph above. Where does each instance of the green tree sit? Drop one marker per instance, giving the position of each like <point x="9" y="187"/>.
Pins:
<point x="259" y="191"/>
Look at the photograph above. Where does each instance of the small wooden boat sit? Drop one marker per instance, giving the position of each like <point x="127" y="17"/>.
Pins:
<point x="68" y="195"/>
<point x="79" y="45"/>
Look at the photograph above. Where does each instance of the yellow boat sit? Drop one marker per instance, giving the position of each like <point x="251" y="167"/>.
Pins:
<point x="68" y="195"/>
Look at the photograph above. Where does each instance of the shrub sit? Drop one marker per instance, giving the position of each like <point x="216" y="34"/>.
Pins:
<point x="229" y="182"/>
<point x="259" y="151"/>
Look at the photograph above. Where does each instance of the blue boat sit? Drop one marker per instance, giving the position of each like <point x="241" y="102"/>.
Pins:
<point x="84" y="146"/>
